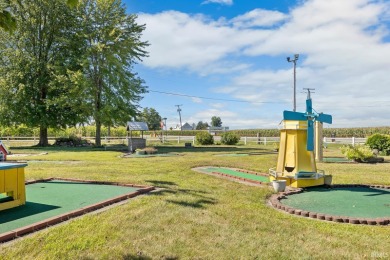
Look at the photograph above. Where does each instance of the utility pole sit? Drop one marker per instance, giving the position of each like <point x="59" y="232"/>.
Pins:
<point x="309" y="91"/>
<point x="179" y="110"/>
<point x="296" y="56"/>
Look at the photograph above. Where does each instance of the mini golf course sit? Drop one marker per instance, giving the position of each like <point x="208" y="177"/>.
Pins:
<point x="355" y="204"/>
<point x="55" y="200"/>
<point x="238" y="174"/>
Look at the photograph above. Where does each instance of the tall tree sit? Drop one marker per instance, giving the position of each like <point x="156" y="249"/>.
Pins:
<point x="111" y="43"/>
<point x="216" y="121"/>
<point x="39" y="77"/>
<point x="151" y="117"/>
<point x="8" y="21"/>
<point x="201" y="125"/>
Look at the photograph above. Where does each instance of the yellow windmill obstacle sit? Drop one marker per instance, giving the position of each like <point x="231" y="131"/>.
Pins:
<point x="12" y="187"/>
<point x="296" y="159"/>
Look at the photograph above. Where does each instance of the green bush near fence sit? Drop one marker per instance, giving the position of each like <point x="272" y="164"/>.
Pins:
<point x="230" y="138"/>
<point x="204" y="138"/>
<point x="380" y="142"/>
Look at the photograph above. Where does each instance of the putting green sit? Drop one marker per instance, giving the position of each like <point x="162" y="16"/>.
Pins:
<point x="235" y="173"/>
<point x="53" y="198"/>
<point x="360" y="202"/>
<point x="336" y="160"/>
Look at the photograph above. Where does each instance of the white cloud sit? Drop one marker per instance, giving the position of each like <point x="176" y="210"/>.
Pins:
<point x="225" y="2"/>
<point x="343" y="55"/>
<point x="196" y="100"/>
<point x="179" y="40"/>
<point x="258" y="17"/>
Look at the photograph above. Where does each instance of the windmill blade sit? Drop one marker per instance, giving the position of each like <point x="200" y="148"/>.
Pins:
<point x="325" y="118"/>
<point x="290" y="115"/>
<point x="310" y="136"/>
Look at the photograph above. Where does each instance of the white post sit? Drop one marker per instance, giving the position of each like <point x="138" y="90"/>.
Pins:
<point x="353" y="141"/>
<point x="245" y="140"/>
<point x="265" y="140"/>
<point x="178" y="139"/>
<point x="193" y="140"/>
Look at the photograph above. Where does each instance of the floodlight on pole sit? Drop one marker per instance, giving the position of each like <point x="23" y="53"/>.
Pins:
<point x="179" y="110"/>
<point x="165" y="124"/>
<point x="294" y="61"/>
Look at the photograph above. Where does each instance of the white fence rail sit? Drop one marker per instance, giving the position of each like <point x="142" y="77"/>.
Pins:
<point x="29" y="141"/>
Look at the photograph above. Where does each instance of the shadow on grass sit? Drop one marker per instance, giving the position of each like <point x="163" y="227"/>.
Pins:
<point x="168" y="187"/>
<point x="201" y="203"/>
<point x="142" y="257"/>
<point x="29" y="209"/>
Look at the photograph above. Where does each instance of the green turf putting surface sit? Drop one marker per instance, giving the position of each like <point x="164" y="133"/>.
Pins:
<point x="53" y="198"/>
<point x="151" y="155"/>
<point x="233" y="154"/>
<point x="336" y="160"/>
<point x="235" y="173"/>
<point x="360" y="202"/>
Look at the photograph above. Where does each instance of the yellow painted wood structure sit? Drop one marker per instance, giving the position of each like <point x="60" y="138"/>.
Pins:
<point x="12" y="185"/>
<point x="295" y="163"/>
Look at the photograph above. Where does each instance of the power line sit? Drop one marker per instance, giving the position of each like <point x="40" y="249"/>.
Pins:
<point x="268" y="102"/>
<point x="219" y="99"/>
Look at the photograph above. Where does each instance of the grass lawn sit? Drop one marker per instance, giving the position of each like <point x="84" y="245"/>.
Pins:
<point x="193" y="215"/>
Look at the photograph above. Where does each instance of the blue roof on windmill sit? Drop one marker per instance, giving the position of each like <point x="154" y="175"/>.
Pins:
<point x="310" y="116"/>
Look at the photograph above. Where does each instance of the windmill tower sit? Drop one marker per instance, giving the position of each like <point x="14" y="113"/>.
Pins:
<point x="296" y="160"/>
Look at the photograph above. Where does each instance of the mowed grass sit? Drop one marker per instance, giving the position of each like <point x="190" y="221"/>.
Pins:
<point x="193" y="215"/>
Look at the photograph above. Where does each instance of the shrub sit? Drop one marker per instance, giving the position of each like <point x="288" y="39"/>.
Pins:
<point x="204" y="138"/>
<point x="229" y="138"/>
<point x="71" y="141"/>
<point x="358" y="153"/>
<point x="380" y="142"/>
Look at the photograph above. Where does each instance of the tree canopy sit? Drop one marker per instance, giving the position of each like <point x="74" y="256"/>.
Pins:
<point x="216" y="121"/>
<point x="39" y="77"/>
<point x="151" y="117"/>
<point x="111" y="45"/>
<point x="201" y="125"/>
<point x="63" y="66"/>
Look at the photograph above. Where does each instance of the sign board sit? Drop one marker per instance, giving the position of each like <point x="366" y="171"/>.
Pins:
<point x="137" y="126"/>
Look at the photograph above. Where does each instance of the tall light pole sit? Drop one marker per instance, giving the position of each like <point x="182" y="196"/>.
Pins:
<point x="296" y="56"/>
<point x="165" y="124"/>
<point x="179" y="110"/>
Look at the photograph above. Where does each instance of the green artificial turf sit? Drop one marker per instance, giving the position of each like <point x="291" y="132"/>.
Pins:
<point x="343" y="201"/>
<point x="237" y="174"/>
<point x="53" y="198"/>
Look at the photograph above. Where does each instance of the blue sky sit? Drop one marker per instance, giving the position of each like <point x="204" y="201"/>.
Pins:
<point x="233" y="53"/>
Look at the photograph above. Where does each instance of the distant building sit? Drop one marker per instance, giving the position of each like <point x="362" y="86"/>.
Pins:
<point x="186" y="126"/>
<point x="214" y="130"/>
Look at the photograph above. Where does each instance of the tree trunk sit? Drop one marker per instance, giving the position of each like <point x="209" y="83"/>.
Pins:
<point x="98" y="141"/>
<point x="43" y="140"/>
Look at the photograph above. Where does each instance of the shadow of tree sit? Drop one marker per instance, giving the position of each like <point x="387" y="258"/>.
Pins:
<point x="201" y="203"/>
<point x="167" y="187"/>
<point x="142" y="257"/>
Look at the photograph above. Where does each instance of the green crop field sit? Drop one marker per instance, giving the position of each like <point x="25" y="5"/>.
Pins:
<point x="193" y="215"/>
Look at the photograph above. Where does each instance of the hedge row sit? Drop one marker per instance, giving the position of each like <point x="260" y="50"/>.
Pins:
<point x="89" y="131"/>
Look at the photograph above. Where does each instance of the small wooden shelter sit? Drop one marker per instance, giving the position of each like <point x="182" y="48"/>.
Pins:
<point x="136" y="142"/>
